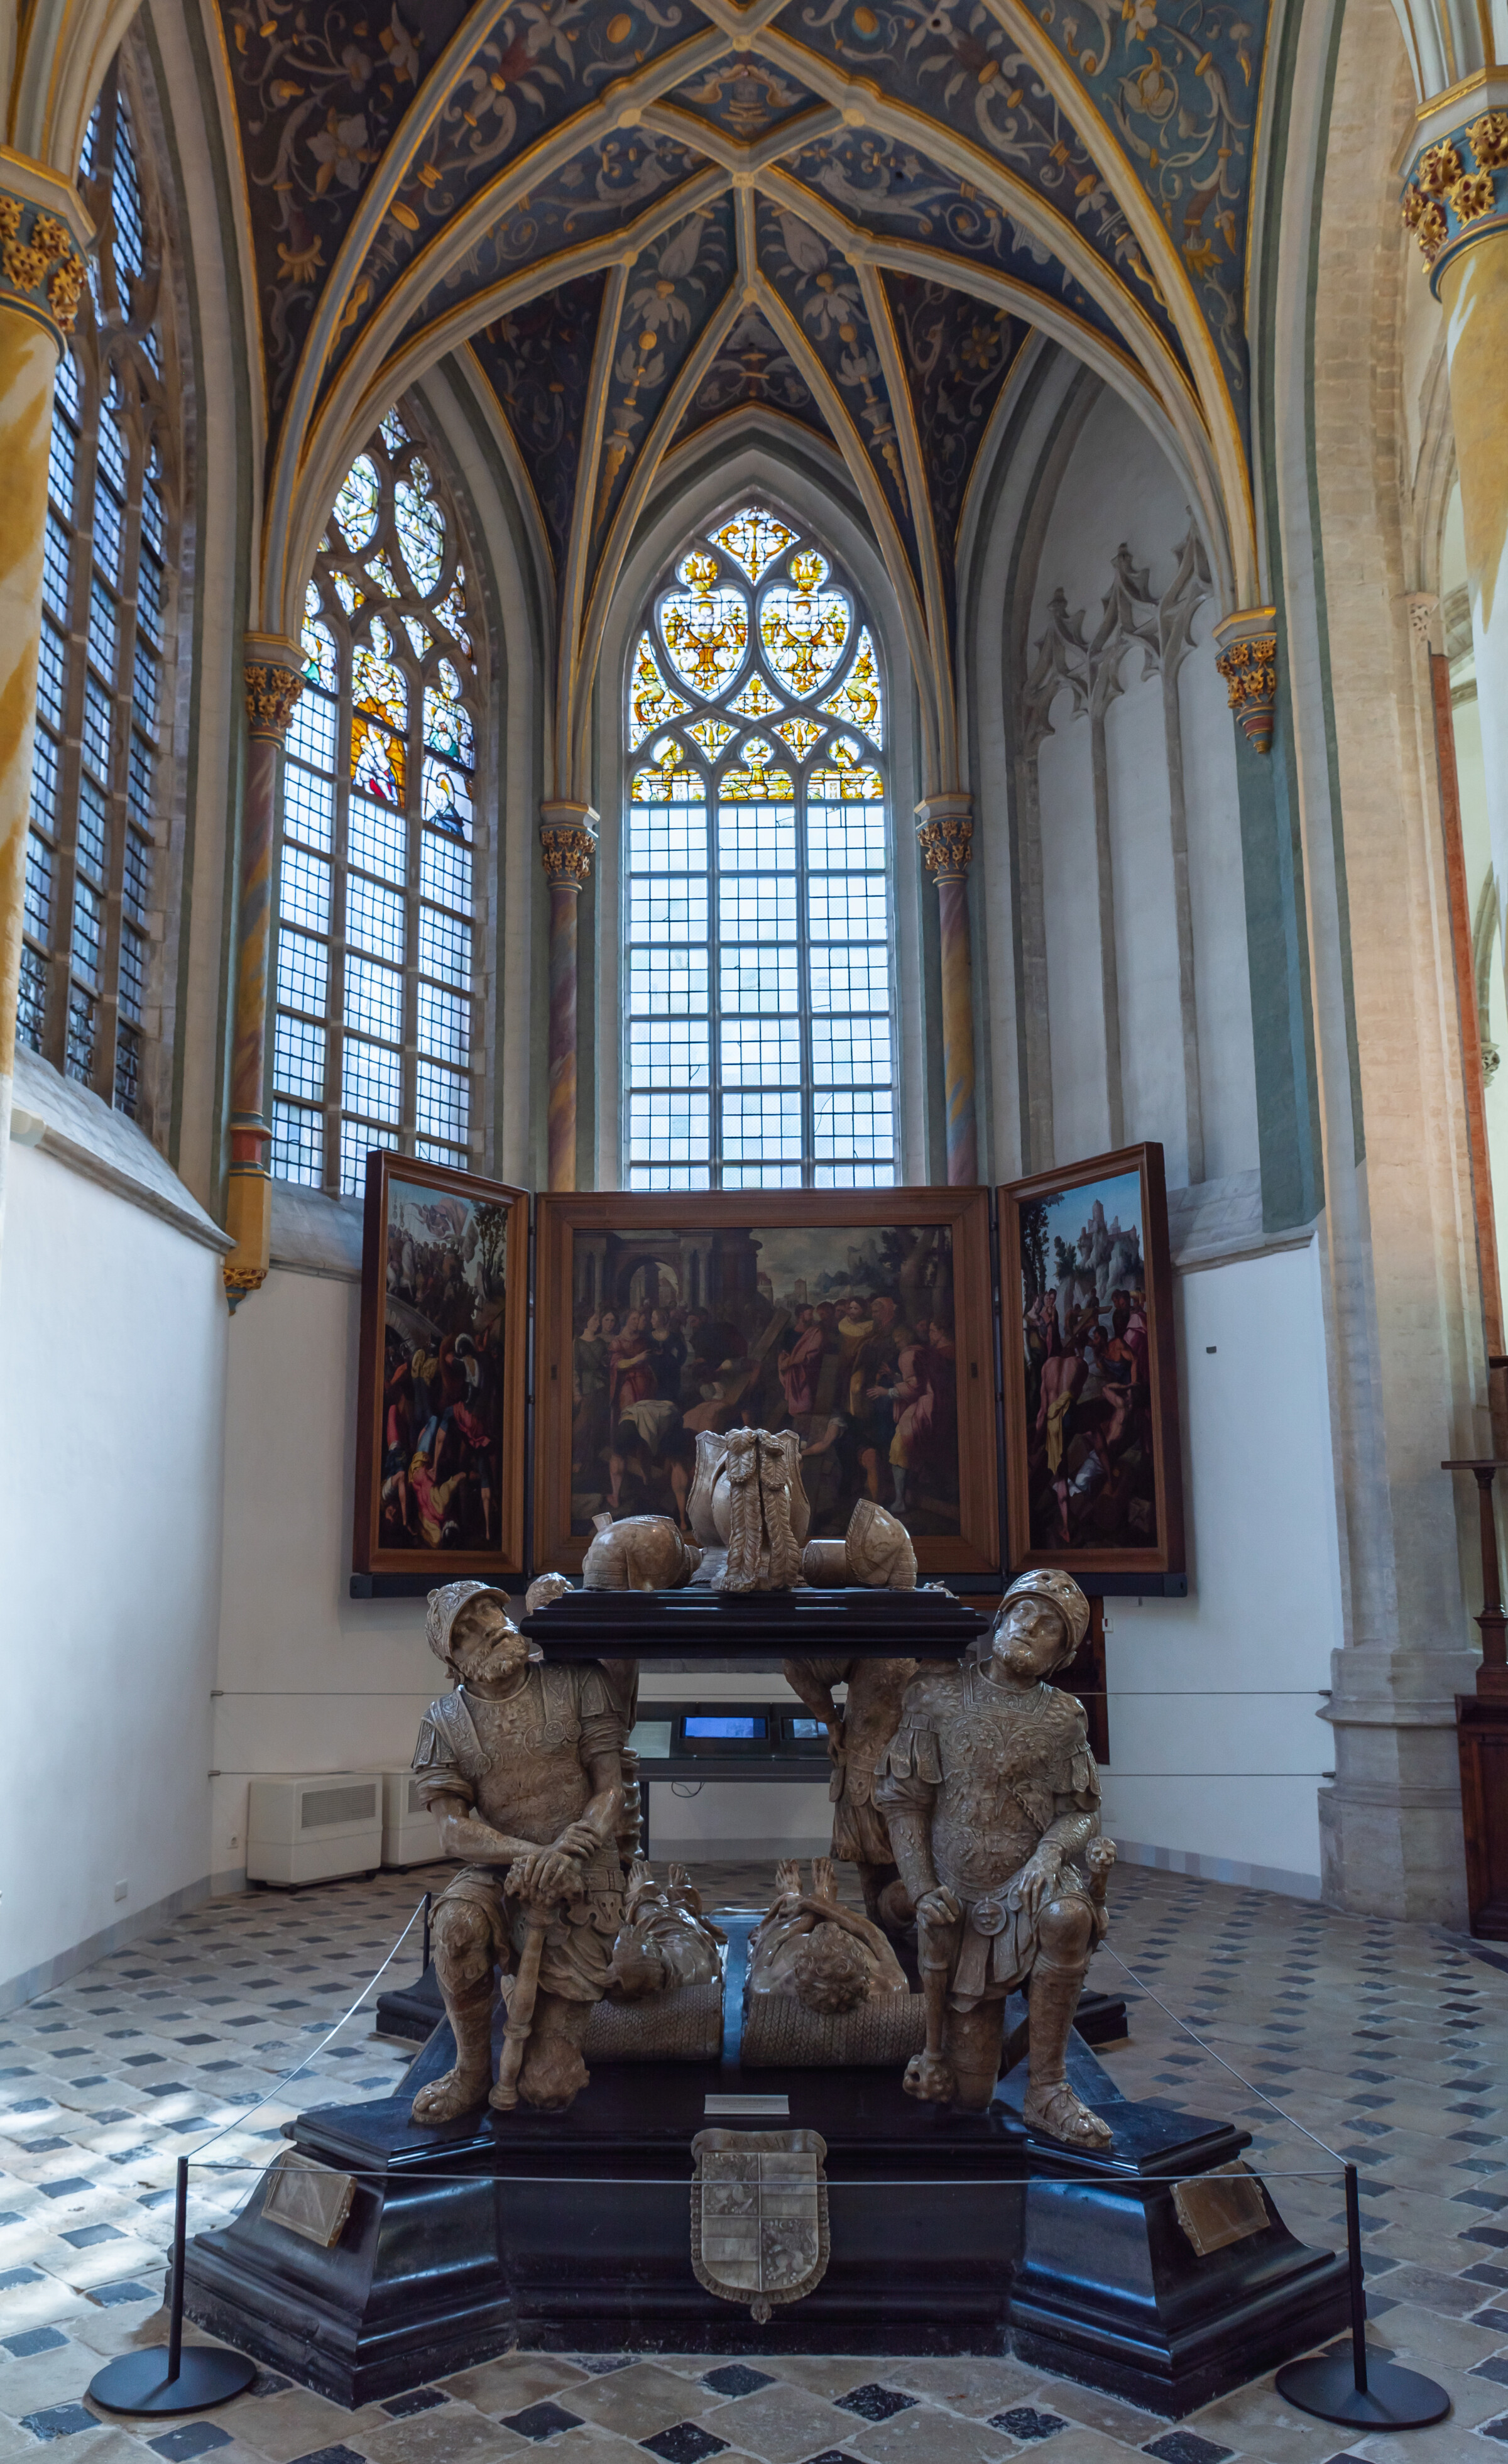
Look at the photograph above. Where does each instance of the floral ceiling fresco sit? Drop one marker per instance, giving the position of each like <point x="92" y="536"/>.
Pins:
<point x="851" y="214"/>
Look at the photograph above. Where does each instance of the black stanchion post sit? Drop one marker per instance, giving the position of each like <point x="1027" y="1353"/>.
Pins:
<point x="205" y="2375"/>
<point x="1361" y="2391"/>
<point x="429" y="1908"/>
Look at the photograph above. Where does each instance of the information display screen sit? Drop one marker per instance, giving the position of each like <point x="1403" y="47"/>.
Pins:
<point x="795" y="1726"/>
<point x="744" y="1728"/>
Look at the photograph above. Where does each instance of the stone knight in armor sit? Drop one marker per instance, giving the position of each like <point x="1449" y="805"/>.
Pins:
<point x="993" y="1803"/>
<point x="521" y="1767"/>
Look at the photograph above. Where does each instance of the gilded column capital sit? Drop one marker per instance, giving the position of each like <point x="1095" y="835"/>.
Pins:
<point x="1455" y="190"/>
<point x="567" y="842"/>
<point x="945" y="836"/>
<point x="45" y="235"/>
<point x="1247" y="658"/>
<point x="273" y="678"/>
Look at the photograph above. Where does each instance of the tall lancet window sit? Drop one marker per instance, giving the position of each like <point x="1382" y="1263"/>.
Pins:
<point x="375" y="1024"/>
<point x="108" y="616"/>
<point x="757" y="907"/>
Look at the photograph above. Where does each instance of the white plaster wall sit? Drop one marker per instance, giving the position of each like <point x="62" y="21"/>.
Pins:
<point x="1217" y="907"/>
<point x="310" y="1680"/>
<point x="1118" y="487"/>
<point x="1145" y="926"/>
<point x="112" y="1363"/>
<point x="1216" y="1748"/>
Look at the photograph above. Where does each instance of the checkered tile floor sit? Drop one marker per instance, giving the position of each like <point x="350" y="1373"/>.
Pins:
<point x="1389" y="2041"/>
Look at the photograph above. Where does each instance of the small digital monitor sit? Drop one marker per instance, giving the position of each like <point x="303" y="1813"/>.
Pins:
<point x="795" y="1726"/>
<point x="743" y="1727"/>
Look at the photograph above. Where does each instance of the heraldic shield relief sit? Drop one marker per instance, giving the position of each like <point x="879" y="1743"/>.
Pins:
<point x="759" y="2215"/>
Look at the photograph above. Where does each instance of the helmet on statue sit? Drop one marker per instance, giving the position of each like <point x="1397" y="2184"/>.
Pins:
<point x="1061" y="1592"/>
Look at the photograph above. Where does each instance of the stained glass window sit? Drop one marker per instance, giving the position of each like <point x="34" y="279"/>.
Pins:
<point x="758" y="1045"/>
<point x="374" y="1041"/>
<point x="111" y="576"/>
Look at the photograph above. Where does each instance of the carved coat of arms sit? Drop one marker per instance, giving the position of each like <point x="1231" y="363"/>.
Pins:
<point x="759" y="2215"/>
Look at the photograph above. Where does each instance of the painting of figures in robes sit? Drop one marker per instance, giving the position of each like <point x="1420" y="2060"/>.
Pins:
<point x="859" y="1319"/>
<point x="440" y="1469"/>
<point x="1092" y="1454"/>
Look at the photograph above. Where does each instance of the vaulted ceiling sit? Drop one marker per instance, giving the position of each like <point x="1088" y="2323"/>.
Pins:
<point x="644" y="218"/>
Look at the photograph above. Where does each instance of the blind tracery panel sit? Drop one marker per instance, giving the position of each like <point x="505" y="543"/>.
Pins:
<point x="111" y="553"/>
<point x="374" y="1036"/>
<point x="760" y="1029"/>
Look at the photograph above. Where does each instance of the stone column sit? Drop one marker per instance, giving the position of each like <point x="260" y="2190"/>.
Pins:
<point x="1455" y="203"/>
<point x="44" y="232"/>
<point x="567" y="839"/>
<point x="273" y="677"/>
<point x="945" y="835"/>
<point x="1247" y="659"/>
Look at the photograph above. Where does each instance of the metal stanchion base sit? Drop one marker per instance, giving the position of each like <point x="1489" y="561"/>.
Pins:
<point x="1393" y="2398"/>
<point x="207" y="2374"/>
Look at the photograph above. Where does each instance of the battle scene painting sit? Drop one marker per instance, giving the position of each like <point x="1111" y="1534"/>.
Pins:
<point x="842" y="1332"/>
<point x="1088" y="1414"/>
<point x="441" y="1434"/>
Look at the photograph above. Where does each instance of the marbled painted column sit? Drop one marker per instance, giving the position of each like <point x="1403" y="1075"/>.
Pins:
<point x="273" y="682"/>
<point x="566" y="842"/>
<point x="1247" y="658"/>
<point x="1455" y="203"/>
<point x="43" y="232"/>
<point x="945" y="835"/>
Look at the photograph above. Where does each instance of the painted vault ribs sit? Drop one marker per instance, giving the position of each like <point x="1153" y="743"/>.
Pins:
<point x="837" y="187"/>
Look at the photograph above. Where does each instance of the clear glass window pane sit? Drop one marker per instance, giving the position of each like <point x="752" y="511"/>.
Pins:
<point x="667" y="838"/>
<point x="762" y="1128"/>
<point x="758" y="837"/>
<point x="370" y="1079"/>
<point x="303" y="972"/>
<point x="443" y="1102"/>
<point x="444" y="948"/>
<point x="760" y="1053"/>
<point x="855" y="1050"/>
<point x="666" y="984"/>
<point x="848" y="907"/>
<point x="669" y="1053"/>
<point x="310" y="736"/>
<point x="298" y="1059"/>
<point x="444" y="871"/>
<point x="669" y="1127"/>
<point x="374" y="999"/>
<point x="674" y="909"/>
<point x="374" y="917"/>
<point x="306" y="890"/>
<point x="756" y="907"/>
<point x="308" y="808"/>
<point x="379" y="839"/>
<point x="444" y="1025"/>
<point x="759" y="980"/>
<point x="297" y="1144"/>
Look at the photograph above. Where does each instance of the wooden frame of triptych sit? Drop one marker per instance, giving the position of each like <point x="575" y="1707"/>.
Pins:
<point x="441" y="1400"/>
<point x="1094" y="1479"/>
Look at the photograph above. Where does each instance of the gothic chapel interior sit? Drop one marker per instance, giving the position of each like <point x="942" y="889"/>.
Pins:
<point x="745" y="595"/>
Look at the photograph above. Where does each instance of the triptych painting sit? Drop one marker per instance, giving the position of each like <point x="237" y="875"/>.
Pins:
<point x="866" y="1320"/>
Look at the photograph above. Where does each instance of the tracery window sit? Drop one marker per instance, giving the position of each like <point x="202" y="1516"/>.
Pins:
<point x="374" y="1037"/>
<point x="759" y="1010"/>
<point x="108" y="613"/>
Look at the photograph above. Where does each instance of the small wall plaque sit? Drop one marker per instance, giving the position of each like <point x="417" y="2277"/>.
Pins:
<point x="769" y="2108"/>
<point x="1221" y="2207"/>
<point x="308" y="2199"/>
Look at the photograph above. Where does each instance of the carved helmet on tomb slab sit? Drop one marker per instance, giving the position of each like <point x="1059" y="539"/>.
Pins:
<point x="1061" y="1592"/>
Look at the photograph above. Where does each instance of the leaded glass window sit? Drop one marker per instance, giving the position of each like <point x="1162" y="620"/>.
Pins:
<point x="373" y="1044"/>
<point x="758" y="916"/>
<point x="110" y="563"/>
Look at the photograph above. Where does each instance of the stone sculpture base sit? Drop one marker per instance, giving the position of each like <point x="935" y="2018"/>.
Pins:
<point x="950" y="2234"/>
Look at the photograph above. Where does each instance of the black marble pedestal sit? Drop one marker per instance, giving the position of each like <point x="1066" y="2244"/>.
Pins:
<point x="950" y="2234"/>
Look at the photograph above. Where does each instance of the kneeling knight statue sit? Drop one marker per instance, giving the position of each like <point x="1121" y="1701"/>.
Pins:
<point x="522" y="1768"/>
<point x="992" y="1799"/>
